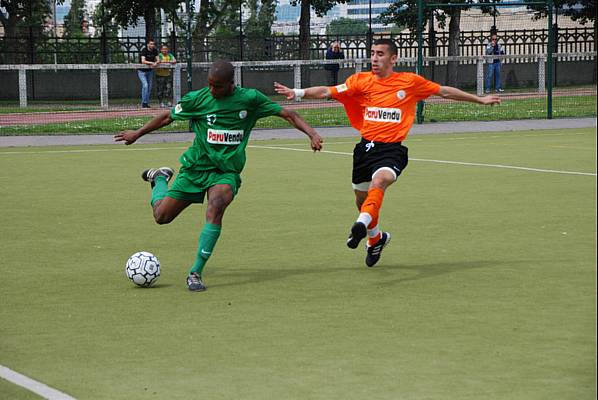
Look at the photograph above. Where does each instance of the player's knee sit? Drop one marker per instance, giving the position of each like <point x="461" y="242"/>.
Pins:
<point x="217" y="206"/>
<point x="383" y="178"/>
<point x="162" y="218"/>
<point x="380" y="184"/>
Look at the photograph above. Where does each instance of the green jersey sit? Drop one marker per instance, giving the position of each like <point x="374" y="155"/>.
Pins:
<point x="222" y="127"/>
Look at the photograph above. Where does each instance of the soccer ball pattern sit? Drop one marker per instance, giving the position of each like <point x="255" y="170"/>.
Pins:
<point x="143" y="269"/>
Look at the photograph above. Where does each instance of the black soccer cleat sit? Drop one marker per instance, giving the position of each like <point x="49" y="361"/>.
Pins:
<point x="194" y="283"/>
<point x="358" y="232"/>
<point x="375" y="251"/>
<point x="150" y="175"/>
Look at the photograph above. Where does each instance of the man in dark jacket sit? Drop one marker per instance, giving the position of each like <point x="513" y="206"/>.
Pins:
<point x="494" y="48"/>
<point x="333" y="53"/>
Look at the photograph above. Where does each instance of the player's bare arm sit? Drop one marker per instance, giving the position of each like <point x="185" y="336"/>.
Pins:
<point x="315" y="92"/>
<point x="449" y="92"/>
<point x="298" y="122"/>
<point x="130" y="137"/>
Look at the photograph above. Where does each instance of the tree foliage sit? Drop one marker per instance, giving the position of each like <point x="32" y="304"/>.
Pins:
<point x="73" y="21"/>
<point x="583" y="11"/>
<point x="128" y="12"/>
<point x="262" y="14"/>
<point x="347" y="26"/>
<point x="212" y="14"/>
<point x="22" y="19"/>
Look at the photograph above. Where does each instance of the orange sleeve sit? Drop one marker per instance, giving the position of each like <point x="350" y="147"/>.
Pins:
<point x="424" y="88"/>
<point x="348" y="89"/>
<point x="350" y="96"/>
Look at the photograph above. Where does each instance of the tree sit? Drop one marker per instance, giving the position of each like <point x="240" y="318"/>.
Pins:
<point x="583" y="11"/>
<point x="347" y="26"/>
<point x="404" y="13"/>
<point x="22" y="18"/>
<point x="211" y="15"/>
<point x="127" y="12"/>
<point x="73" y="21"/>
<point x="262" y="14"/>
<point x="258" y="29"/>
<point x="107" y="29"/>
<point x="217" y="21"/>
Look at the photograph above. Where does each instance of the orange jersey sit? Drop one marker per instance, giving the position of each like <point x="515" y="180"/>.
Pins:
<point x="383" y="110"/>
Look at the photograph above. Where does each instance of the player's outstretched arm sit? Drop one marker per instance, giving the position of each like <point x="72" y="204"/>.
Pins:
<point x="295" y="119"/>
<point x="130" y="137"/>
<point x="449" y="92"/>
<point x="315" y="92"/>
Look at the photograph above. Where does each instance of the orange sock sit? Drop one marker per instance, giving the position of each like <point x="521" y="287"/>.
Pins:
<point x="372" y="205"/>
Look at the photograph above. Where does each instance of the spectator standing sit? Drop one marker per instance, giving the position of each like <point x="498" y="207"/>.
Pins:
<point x="149" y="57"/>
<point x="494" y="48"/>
<point x="333" y="53"/>
<point x="163" y="77"/>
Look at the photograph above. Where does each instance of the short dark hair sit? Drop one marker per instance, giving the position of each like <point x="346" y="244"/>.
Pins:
<point x="222" y="70"/>
<point x="387" y="42"/>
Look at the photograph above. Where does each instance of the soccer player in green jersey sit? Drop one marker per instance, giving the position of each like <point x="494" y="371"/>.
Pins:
<point x="222" y="116"/>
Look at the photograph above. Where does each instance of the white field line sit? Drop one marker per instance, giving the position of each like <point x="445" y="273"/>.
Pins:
<point x="553" y="171"/>
<point x="416" y="138"/>
<point x="32" y="385"/>
<point x="306" y="150"/>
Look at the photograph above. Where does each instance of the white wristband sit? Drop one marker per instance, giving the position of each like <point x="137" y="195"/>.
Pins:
<point x="299" y="93"/>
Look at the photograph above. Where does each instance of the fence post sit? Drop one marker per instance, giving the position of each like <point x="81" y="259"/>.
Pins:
<point x="176" y="83"/>
<point x="550" y="61"/>
<point x="480" y="76"/>
<point x="238" y="79"/>
<point x="297" y="77"/>
<point x="358" y="67"/>
<point x="420" y="56"/>
<point x="22" y="87"/>
<point x="542" y="74"/>
<point x="104" y="47"/>
<point x="103" y="86"/>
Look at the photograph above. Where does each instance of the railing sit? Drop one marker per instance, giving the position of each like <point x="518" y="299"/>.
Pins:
<point x="47" y="50"/>
<point x="358" y="64"/>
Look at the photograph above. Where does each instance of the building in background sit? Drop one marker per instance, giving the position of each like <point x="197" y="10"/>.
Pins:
<point x="360" y="10"/>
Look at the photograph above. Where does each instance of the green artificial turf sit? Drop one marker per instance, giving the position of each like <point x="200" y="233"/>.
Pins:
<point x="486" y="291"/>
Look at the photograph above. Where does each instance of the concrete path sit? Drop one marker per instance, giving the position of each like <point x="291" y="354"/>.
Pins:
<point x="265" y="134"/>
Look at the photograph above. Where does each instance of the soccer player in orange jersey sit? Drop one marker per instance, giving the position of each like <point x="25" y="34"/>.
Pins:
<point x="380" y="104"/>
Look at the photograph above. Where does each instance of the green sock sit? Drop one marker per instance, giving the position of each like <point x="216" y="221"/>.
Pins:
<point x="160" y="189"/>
<point x="207" y="242"/>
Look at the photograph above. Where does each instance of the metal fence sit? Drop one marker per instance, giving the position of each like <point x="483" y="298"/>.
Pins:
<point x="103" y="49"/>
<point x="525" y="74"/>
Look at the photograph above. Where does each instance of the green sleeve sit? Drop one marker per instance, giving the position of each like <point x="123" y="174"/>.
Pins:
<point x="185" y="108"/>
<point x="264" y="106"/>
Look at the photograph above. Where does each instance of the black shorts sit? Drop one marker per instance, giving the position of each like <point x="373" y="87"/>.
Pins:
<point x="368" y="157"/>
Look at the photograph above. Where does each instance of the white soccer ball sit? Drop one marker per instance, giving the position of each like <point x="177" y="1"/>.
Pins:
<point x="143" y="269"/>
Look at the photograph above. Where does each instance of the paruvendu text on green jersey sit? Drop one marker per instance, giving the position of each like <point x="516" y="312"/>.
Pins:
<point x="222" y="127"/>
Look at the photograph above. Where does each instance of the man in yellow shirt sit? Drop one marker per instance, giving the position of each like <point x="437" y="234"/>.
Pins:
<point x="163" y="77"/>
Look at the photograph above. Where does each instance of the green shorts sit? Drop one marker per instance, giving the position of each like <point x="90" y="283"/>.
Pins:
<point x="193" y="185"/>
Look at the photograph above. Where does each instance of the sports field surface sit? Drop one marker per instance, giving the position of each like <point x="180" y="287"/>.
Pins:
<point x="486" y="291"/>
